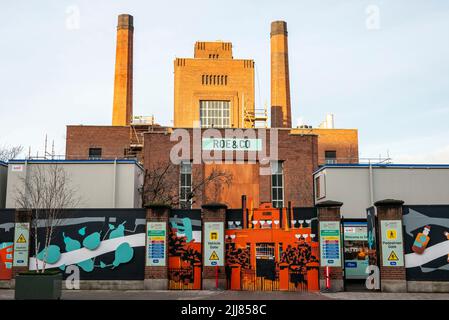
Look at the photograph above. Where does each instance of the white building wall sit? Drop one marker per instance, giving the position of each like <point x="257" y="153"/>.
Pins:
<point x="3" y="181"/>
<point x="413" y="185"/>
<point x="92" y="181"/>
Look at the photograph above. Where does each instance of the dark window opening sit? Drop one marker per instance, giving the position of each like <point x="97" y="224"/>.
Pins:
<point x="330" y="157"/>
<point x="94" y="153"/>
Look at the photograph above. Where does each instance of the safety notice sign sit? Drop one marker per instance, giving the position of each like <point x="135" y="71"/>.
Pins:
<point x="392" y="243"/>
<point x="214" y="244"/>
<point x="21" y="244"/>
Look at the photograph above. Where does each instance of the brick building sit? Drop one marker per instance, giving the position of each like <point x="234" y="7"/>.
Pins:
<point x="214" y="90"/>
<point x="334" y="145"/>
<point x="213" y="81"/>
<point x="287" y="176"/>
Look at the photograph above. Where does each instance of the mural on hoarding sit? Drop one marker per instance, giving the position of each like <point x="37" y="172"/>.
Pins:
<point x="184" y="249"/>
<point x="426" y="240"/>
<point x="106" y="244"/>
<point x="372" y="236"/>
<point x="6" y="243"/>
<point x="271" y="249"/>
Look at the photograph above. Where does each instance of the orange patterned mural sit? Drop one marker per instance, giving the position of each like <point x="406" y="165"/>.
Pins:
<point x="272" y="252"/>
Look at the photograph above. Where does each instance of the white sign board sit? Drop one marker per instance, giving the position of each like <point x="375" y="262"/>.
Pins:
<point x="330" y="240"/>
<point x="213" y="244"/>
<point x="156" y="244"/>
<point x="21" y="244"/>
<point x="17" y="168"/>
<point x="232" y="144"/>
<point x="392" y="243"/>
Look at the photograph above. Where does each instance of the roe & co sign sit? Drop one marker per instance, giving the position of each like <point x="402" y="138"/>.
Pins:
<point x="230" y="144"/>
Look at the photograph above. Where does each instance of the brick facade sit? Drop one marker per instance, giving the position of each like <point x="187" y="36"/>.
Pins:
<point x="156" y="277"/>
<point x="344" y="141"/>
<point x="297" y="152"/>
<point x="213" y="213"/>
<point x="330" y="211"/>
<point x="113" y="140"/>
<point x="123" y="82"/>
<point x="212" y="74"/>
<point x="280" y="80"/>
<point x="393" y="278"/>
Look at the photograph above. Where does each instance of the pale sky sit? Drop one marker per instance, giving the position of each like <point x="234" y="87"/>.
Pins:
<point x="379" y="66"/>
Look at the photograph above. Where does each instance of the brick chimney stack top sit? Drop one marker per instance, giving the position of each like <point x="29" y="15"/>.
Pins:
<point x="125" y="21"/>
<point x="278" y="27"/>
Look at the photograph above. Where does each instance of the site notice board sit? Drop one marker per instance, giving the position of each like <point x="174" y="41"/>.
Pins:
<point x="156" y="243"/>
<point x="214" y="244"/>
<point x="392" y="244"/>
<point x="330" y="243"/>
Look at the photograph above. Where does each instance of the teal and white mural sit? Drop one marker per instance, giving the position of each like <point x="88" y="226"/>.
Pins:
<point x="426" y="236"/>
<point x="104" y="244"/>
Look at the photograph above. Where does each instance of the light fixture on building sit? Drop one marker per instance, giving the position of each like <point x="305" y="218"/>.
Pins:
<point x="276" y="222"/>
<point x="237" y="223"/>
<point x="232" y="236"/>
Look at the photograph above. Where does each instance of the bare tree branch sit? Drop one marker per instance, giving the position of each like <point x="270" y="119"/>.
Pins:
<point x="161" y="184"/>
<point x="9" y="152"/>
<point x="47" y="192"/>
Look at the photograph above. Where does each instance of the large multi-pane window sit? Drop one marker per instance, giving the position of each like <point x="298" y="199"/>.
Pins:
<point x="277" y="184"/>
<point x="185" y="185"/>
<point x="215" y="114"/>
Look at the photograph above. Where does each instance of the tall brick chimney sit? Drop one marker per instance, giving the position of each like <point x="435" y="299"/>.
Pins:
<point x="280" y="81"/>
<point x="123" y="83"/>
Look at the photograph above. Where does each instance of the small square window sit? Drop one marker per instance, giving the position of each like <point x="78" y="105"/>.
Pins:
<point x="95" y="153"/>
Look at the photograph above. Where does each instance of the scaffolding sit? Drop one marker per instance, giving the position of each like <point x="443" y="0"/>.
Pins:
<point x="137" y="129"/>
<point x="257" y="118"/>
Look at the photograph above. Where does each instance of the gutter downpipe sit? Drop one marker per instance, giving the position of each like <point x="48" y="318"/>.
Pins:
<point x="114" y="183"/>
<point x="371" y="184"/>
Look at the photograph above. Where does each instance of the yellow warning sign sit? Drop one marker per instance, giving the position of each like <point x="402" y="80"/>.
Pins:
<point x="391" y="234"/>
<point x="21" y="239"/>
<point x="214" y="256"/>
<point x="214" y="235"/>
<point x="393" y="256"/>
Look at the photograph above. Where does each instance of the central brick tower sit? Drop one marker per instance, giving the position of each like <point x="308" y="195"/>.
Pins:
<point x="213" y="89"/>
<point x="123" y="84"/>
<point x="280" y="81"/>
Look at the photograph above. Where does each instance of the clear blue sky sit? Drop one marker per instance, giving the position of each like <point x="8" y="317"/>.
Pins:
<point x="390" y="82"/>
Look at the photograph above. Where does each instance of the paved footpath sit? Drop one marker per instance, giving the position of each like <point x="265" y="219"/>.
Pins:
<point x="232" y="295"/>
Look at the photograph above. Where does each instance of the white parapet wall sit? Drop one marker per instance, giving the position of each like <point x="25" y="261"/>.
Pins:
<point x="3" y="181"/>
<point x="359" y="186"/>
<point x="97" y="183"/>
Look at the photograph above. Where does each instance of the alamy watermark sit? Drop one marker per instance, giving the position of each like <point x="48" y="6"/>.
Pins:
<point x="372" y="21"/>
<point x="225" y="146"/>
<point x="72" y="19"/>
